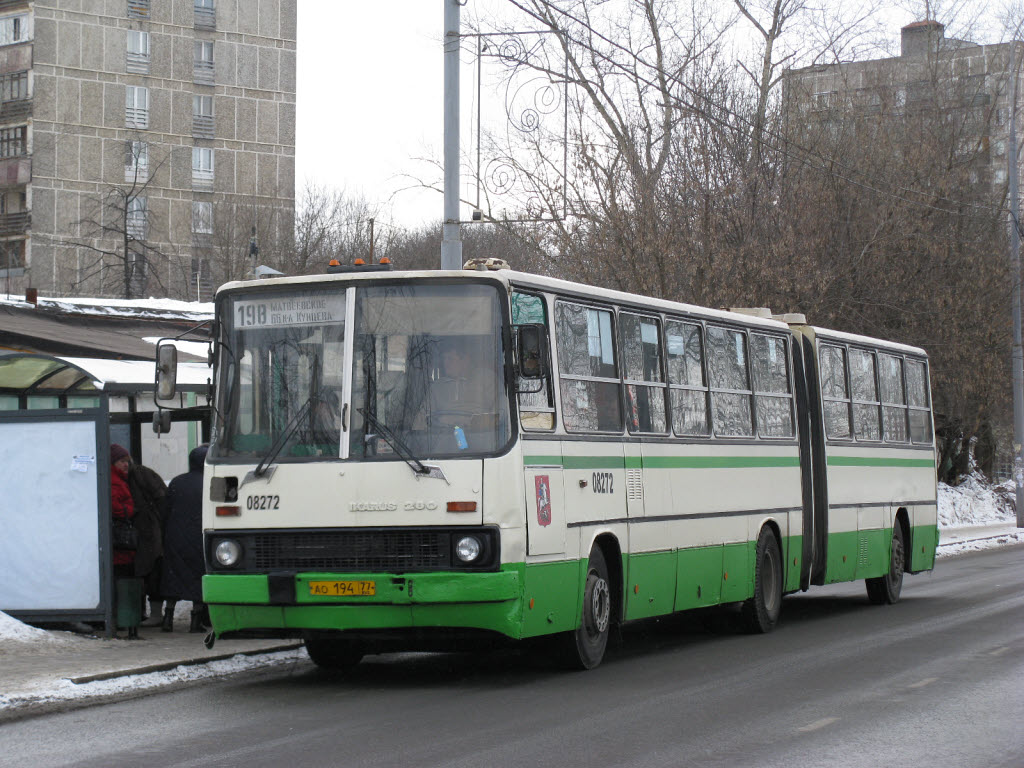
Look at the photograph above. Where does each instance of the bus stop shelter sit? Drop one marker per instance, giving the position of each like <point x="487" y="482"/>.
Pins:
<point x="57" y="419"/>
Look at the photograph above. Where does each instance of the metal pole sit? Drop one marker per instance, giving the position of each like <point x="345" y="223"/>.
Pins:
<point x="1018" y="354"/>
<point x="371" y="241"/>
<point x="451" y="241"/>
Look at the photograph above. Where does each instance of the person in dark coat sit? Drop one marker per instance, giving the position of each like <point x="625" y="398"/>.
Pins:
<point x="148" y="492"/>
<point x="184" y="563"/>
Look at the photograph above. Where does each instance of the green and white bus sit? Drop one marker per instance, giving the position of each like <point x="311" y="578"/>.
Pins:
<point x="414" y="460"/>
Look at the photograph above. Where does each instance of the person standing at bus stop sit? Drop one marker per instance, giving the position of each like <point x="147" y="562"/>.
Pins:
<point x="148" y="492"/>
<point x="184" y="564"/>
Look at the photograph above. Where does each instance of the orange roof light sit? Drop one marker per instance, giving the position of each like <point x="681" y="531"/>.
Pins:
<point x="385" y="260"/>
<point x="333" y="263"/>
<point x="359" y="263"/>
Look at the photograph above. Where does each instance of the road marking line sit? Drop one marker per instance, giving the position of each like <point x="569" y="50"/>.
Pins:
<point x="923" y="683"/>
<point x="818" y="724"/>
<point x="999" y="651"/>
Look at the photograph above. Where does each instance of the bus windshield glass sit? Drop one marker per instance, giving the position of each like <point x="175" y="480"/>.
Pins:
<point x="428" y="367"/>
<point x="426" y="373"/>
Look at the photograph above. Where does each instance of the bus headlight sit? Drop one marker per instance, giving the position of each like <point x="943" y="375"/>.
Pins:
<point x="227" y="552"/>
<point x="468" y="549"/>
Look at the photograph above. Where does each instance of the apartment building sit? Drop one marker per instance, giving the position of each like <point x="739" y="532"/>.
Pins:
<point x="963" y="86"/>
<point x="142" y="142"/>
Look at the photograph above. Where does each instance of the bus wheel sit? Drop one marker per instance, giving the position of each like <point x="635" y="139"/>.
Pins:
<point x="761" y="612"/>
<point x="585" y="647"/>
<point x="332" y="652"/>
<point x="885" y="590"/>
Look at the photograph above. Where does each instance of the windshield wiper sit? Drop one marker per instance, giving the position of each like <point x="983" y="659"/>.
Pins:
<point x="288" y="431"/>
<point x="396" y="444"/>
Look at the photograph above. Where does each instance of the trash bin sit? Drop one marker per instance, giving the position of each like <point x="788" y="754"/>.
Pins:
<point x="129" y="605"/>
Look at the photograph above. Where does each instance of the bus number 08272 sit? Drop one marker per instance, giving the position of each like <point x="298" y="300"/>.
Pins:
<point x="602" y="482"/>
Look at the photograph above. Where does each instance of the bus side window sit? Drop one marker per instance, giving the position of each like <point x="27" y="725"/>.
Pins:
<point x="588" y="375"/>
<point x="640" y="347"/>
<point x="867" y="423"/>
<point x="834" y="393"/>
<point x="684" y="349"/>
<point x="917" y="400"/>
<point x="894" y="408"/>
<point x="773" y="399"/>
<point x="730" y="382"/>
<point x="536" y="408"/>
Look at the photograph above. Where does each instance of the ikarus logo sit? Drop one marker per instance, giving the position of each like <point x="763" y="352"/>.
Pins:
<point x="373" y="506"/>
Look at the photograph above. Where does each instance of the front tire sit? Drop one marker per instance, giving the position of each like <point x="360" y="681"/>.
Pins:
<point x="332" y="652"/>
<point x="585" y="646"/>
<point x="885" y="590"/>
<point x="761" y="612"/>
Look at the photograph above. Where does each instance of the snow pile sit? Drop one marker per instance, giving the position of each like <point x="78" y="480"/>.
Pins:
<point x="14" y="631"/>
<point x="976" y="502"/>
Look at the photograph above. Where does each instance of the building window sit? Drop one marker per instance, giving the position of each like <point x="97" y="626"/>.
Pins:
<point x="14" y="87"/>
<point x="202" y="116"/>
<point x="136" y="107"/>
<point x="205" y="16"/>
<point x="136" y="161"/>
<point x="138" y="52"/>
<point x="12" y="141"/>
<point x="202" y="218"/>
<point x="135" y="220"/>
<point x="203" y="61"/>
<point x="202" y="168"/>
<point x="14" y="29"/>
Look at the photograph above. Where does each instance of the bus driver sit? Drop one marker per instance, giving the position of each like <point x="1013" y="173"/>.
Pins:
<point x="464" y="394"/>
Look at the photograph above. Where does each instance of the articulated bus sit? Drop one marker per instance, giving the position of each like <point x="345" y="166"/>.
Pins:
<point x="417" y="460"/>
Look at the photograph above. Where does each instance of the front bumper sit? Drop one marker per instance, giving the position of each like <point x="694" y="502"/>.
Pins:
<point x="281" y="603"/>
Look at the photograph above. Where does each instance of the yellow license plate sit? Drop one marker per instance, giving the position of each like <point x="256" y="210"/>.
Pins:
<point x="342" y="588"/>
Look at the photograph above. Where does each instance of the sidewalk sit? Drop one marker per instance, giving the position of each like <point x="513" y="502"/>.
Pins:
<point x="69" y="669"/>
<point x="978" y="534"/>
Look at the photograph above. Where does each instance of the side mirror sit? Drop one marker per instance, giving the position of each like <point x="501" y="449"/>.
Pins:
<point x="166" y="370"/>
<point x="162" y="421"/>
<point x="531" y="351"/>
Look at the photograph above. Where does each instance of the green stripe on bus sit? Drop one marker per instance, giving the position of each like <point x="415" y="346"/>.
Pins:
<point x="663" y="462"/>
<point x="874" y="461"/>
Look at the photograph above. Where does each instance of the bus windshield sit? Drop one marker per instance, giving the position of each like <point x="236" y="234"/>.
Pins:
<point x="426" y="372"/>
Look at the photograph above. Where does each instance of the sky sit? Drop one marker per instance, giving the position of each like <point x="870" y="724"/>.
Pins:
<point x="369" y="91"/>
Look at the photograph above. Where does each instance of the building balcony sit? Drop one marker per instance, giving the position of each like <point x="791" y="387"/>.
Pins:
<point x="138" y="9"/>
<point x="202" y="181"/>
<point x="15" y="171"/>
<point x="202" y="72"/>
<point x="15" y="223"/>
<point x="205" y="18"/>
<point x="16" y="57"/>
<point x="202" y="126"/>
<point x="12" y="5"/>
<point x="137" y="63"/>
<point x="15" y="111"/>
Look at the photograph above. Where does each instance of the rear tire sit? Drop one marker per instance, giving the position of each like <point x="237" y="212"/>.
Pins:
<point x="333" y="653"/>
<point x="885" y="590"/>
<point x="761" y="612"/>
<point x="585" y="647"/>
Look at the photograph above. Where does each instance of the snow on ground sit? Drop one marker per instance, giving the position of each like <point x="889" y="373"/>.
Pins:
<point x="62" y="689"/>
<point x="974" y="503"/>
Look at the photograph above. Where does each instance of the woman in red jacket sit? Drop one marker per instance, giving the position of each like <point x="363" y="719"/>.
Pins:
<point x="121" y="507"/>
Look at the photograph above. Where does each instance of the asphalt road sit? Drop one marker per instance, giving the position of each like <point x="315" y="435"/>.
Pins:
<point x="934" y="681"/>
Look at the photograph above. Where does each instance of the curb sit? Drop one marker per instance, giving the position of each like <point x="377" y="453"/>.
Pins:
<point x="168" y="665"/>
